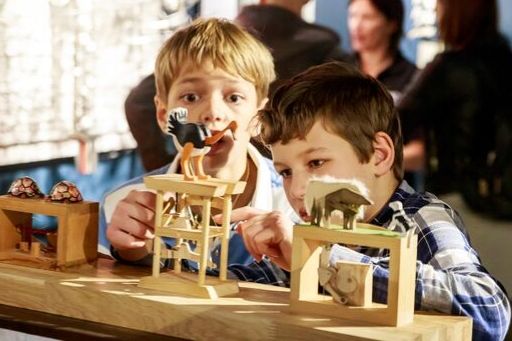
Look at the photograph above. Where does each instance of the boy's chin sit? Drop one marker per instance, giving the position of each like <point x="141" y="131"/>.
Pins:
<point x="219" y="156"/>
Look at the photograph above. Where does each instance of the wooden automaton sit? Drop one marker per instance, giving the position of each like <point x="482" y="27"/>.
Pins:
<point x="74" y="240"/>
<point x="173" y="219"/>
<point x="349" y="284"/>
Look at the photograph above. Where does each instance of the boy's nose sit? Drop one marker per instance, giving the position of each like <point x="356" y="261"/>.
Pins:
<point x="298" y="187"/>
<point x="215" y="111"/>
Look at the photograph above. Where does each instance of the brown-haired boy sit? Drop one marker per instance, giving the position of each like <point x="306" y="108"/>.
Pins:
<point x="332" y="120"/>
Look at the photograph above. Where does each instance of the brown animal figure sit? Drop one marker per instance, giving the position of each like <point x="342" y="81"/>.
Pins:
<point x="193" y="140"/>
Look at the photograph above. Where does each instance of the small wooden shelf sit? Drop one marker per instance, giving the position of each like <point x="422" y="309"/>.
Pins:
<point x="77" y="231"/>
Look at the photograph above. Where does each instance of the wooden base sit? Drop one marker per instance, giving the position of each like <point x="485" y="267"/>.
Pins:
<point x="186" y="284"/>
<point x="324" y="305"/>
<point x="45" y="260"/>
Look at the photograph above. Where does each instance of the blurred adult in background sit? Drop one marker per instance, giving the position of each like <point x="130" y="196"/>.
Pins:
<point x="459" y="110"/>
<point x="375" y="28"/>
<point x="294" y="43"/>
<point x="154" y="148"/>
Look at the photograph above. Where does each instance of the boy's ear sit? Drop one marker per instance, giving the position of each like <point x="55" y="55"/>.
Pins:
<point x="384" y="154"/>
<point x="161" y="112"/>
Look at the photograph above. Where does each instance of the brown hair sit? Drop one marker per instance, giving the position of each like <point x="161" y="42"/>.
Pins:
<point x="221" y="42"/>
<point x="463" y="23"/>
<point x="352" y="105"/>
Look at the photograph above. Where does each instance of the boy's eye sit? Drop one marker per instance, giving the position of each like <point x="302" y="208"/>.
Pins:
<point x="285" y="173"/>
<point x="190" y="98"/>
<point x="235" y="98"/>
<point x="316" y="163"/>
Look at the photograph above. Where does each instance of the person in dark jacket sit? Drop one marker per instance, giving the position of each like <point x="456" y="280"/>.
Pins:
<point x="295" y="46"/>
<point x="294" y="43"/>
<point x="453" y="108"/>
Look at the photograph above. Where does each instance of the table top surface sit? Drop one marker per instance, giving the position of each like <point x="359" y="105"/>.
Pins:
<point x="107" y="293"/>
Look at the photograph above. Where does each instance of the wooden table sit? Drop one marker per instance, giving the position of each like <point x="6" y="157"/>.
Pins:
<point x="108" y="293"/>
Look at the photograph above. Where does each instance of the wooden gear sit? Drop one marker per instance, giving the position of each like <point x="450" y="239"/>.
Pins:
<point x="209" y="193"/>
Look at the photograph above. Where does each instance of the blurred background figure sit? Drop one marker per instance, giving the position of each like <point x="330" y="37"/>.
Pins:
<point x="375" y="28"/>
<point x="459" y="109"/>
<point x="294" y="43"/>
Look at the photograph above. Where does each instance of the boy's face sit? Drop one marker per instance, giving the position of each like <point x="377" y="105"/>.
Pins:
<point x="215" y="98"/>
<point x="320" y="153"/>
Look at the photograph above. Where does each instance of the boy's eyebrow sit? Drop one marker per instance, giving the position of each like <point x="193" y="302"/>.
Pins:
<point x="197" y="79"/>
<point x="312" y="150"/>
<point x="279" y="164"/>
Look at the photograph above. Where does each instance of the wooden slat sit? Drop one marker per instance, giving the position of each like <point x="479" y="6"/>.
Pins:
<point x="170" y="183"/>
<point x="187" y="234"/>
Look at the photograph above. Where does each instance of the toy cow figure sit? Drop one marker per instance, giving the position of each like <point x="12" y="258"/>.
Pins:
<point x="193" y="140"/>
<point x="325" y="195"/>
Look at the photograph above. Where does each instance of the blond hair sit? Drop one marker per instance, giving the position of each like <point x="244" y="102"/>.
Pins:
<point x="222" y="43"/>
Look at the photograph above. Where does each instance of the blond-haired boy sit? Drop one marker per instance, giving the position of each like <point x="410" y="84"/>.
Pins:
<point x="332" y="120"/>
<point x="220" y="73"/>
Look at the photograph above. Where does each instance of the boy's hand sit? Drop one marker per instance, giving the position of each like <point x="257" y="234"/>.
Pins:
<point x="132" y="221"/>
<point x="265" y="233"/>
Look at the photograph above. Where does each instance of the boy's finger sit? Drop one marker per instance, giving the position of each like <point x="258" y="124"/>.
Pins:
<point x="142" y="197"/>
<point x="264" y="242"/>
<point x="240" y="214"/>
<point x="247" y="230"/>
<point x="122" y="240"/>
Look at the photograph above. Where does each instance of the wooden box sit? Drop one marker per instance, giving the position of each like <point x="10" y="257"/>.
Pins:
<point x="307" y="245"/>
<point x="77" y="231"/>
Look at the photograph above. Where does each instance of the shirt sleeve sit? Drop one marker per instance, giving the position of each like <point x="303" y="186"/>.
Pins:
<point x="264" y="272"/>
<point x="449" y="279"/>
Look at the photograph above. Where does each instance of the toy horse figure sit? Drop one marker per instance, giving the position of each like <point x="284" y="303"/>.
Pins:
<point x="193" y="140"/>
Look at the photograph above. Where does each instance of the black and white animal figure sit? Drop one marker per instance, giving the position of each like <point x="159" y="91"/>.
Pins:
<point x="193" y="140"/>
<point x="325" y="195"/>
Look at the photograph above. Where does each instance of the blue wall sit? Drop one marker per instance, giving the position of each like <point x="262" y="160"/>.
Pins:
<point x="333" y="13"/>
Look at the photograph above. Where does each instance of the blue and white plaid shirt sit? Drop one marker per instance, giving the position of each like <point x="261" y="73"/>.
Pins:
<point x="449" y="276"/>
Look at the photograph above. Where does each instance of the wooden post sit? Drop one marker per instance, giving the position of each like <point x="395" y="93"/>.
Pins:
<point x="226" y="218"/>
<point x="35" y="249"/>
<point x="157" y="244"/>
<point x="24" y="246"/>
<point x="205" y="222"/>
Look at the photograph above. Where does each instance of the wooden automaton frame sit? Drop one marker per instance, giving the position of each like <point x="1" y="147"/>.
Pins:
<point x="308" y="241"/>
<point x="208" y="194"/>
<point x="77" y="232"/>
